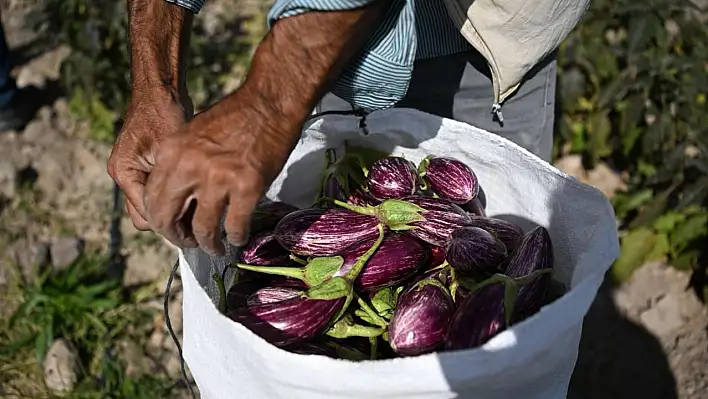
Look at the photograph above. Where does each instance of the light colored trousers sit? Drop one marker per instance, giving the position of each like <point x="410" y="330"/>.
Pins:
<point x="459" y="87"/>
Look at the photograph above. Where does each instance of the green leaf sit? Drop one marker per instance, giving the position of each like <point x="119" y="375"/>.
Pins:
<point x="661" y="248"/>
<point x="686" y="261"/>
<point x="642" y="29"/>
<point x="599" y="129"/>
<point x="40" y="345"/>
<point x="668" y="222"/>
<point x="693" y="228"/>
<point x="636" y="245"/>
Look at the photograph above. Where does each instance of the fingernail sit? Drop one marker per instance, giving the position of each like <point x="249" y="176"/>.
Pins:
<point x="238" y="241"/>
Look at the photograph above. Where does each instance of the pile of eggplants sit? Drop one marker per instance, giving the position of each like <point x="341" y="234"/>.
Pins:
<point x="391" y="260"/>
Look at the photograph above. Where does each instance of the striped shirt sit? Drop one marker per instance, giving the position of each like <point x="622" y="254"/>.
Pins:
<point x="379" y="74"/>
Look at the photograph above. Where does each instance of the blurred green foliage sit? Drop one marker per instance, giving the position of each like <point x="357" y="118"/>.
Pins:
<point x="89" y="308"/>
<point x="633" y="85"/>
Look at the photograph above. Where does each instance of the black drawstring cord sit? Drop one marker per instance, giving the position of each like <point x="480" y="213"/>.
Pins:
<point x="166" y="306"/>
<point x="354" y="111"/>
<point x="364" y="128"/>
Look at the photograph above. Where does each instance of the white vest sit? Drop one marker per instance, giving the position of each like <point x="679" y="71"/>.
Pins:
<point x="514" y="35"/>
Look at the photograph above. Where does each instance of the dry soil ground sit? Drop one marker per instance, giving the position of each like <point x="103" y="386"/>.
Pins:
<point x="644" y="339"/>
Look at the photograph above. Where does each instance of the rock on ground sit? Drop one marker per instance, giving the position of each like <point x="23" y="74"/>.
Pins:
<point x="61" y="368"/>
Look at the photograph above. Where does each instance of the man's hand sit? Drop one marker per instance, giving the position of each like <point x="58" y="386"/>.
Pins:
<point x="152" y="116"/>
<point x="160" y="105"/>
<point x="227" y="157"/>
<point x="212" y="166"/>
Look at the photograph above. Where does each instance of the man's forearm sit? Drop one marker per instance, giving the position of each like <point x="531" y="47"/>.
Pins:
<point x="159" y="39"/>
<point x="301" y="57"/>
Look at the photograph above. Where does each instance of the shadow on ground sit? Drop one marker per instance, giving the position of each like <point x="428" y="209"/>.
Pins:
<point x="618" y="358"/>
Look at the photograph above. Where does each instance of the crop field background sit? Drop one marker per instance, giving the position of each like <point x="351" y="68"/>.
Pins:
<point x="81" y="291"/>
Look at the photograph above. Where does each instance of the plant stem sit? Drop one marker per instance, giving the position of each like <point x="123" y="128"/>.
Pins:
<point x="354" y="272"/>
<point x="294" y="272"/>
<point x="364" y="210"/>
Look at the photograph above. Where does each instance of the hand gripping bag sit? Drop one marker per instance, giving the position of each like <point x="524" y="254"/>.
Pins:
<point x="532" y="360"/>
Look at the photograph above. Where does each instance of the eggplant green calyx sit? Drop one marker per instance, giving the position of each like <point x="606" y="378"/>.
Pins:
<point x="395" y="214"/>
<point x="346" y="328"/>
<point x="334" y="288"/>
<point x="369" y="315"/>
<point x="316" y="272"/>
<point x="384" y="302"/>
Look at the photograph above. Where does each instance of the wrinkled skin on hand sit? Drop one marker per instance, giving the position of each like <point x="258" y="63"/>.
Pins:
<point x="222" y="161"/>
<point x="152" y="116"/>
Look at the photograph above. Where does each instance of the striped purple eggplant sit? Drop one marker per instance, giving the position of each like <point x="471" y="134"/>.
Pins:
<point x="264" y="249"/>
<point x="397" y="258"/>
<point x="239" y="293"/>
<point x="450" y="178"/>
<point x="535" y="253"/>
<point x="472" y="249"/>
<point x="268" y="214"/>
<point x="324" y="232"/>
<point x="478" y="318"/>
<point x="282" y="323"/>
<point x="362" y="198"/>
<point x="440" y="218"/>
<point x="420" y="321"/>
<point x="431" y="220"/>
<point x="507" y="232"/>
<point x="299" y="316"/>
<point x="271" y="295"/>
<point x="391" y="178"/>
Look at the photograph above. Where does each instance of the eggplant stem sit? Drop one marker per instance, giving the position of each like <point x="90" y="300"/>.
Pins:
<point x="294" y="272"/>
<point x="364" y="210"/>
<point x="222" y="292"/>
<point x="354" y="272"/>
<point x="375" y="318"/>
<point x="374" y="346"/>
<point x="298" y="260"/>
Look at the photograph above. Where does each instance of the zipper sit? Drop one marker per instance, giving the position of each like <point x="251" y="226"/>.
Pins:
<point x="459" y="17"/>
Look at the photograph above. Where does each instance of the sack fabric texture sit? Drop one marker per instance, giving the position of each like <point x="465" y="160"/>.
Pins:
<point x="532" y="360"/>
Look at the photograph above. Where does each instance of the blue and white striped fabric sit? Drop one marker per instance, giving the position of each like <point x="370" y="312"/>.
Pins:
<point x="379" y="75"/>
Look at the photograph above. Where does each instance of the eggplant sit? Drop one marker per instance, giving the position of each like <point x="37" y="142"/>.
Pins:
<point x="272" y="295"/>
<point x="391" y="178"/>
<point x="397" y="258"/>
<point x="301" y="316"/>
<point x="268" y="214"/>
<point x="440" y="218"/>
<point x="324" y="232"/>
<point x="478" y="318"/>
<point x="472" y="249"/>
<point x="450" y="178"/>
<point x="507" y="232"/>
<point x="239" y="293"/>
<point x="475" y="208"/>
<point x="431" y="220"/>
<point x="420" y="321"/>
<point x="264" y="249"/>
<point x="534" y="254"/>
<point x="322" y="269"/>
<point x="362" y="198"/>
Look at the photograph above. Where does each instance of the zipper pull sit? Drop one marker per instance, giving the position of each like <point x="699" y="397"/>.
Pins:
<point x="496" y="110"/>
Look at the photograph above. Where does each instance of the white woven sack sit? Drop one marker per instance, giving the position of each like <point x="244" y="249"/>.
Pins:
<point x="534" y="359"/>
